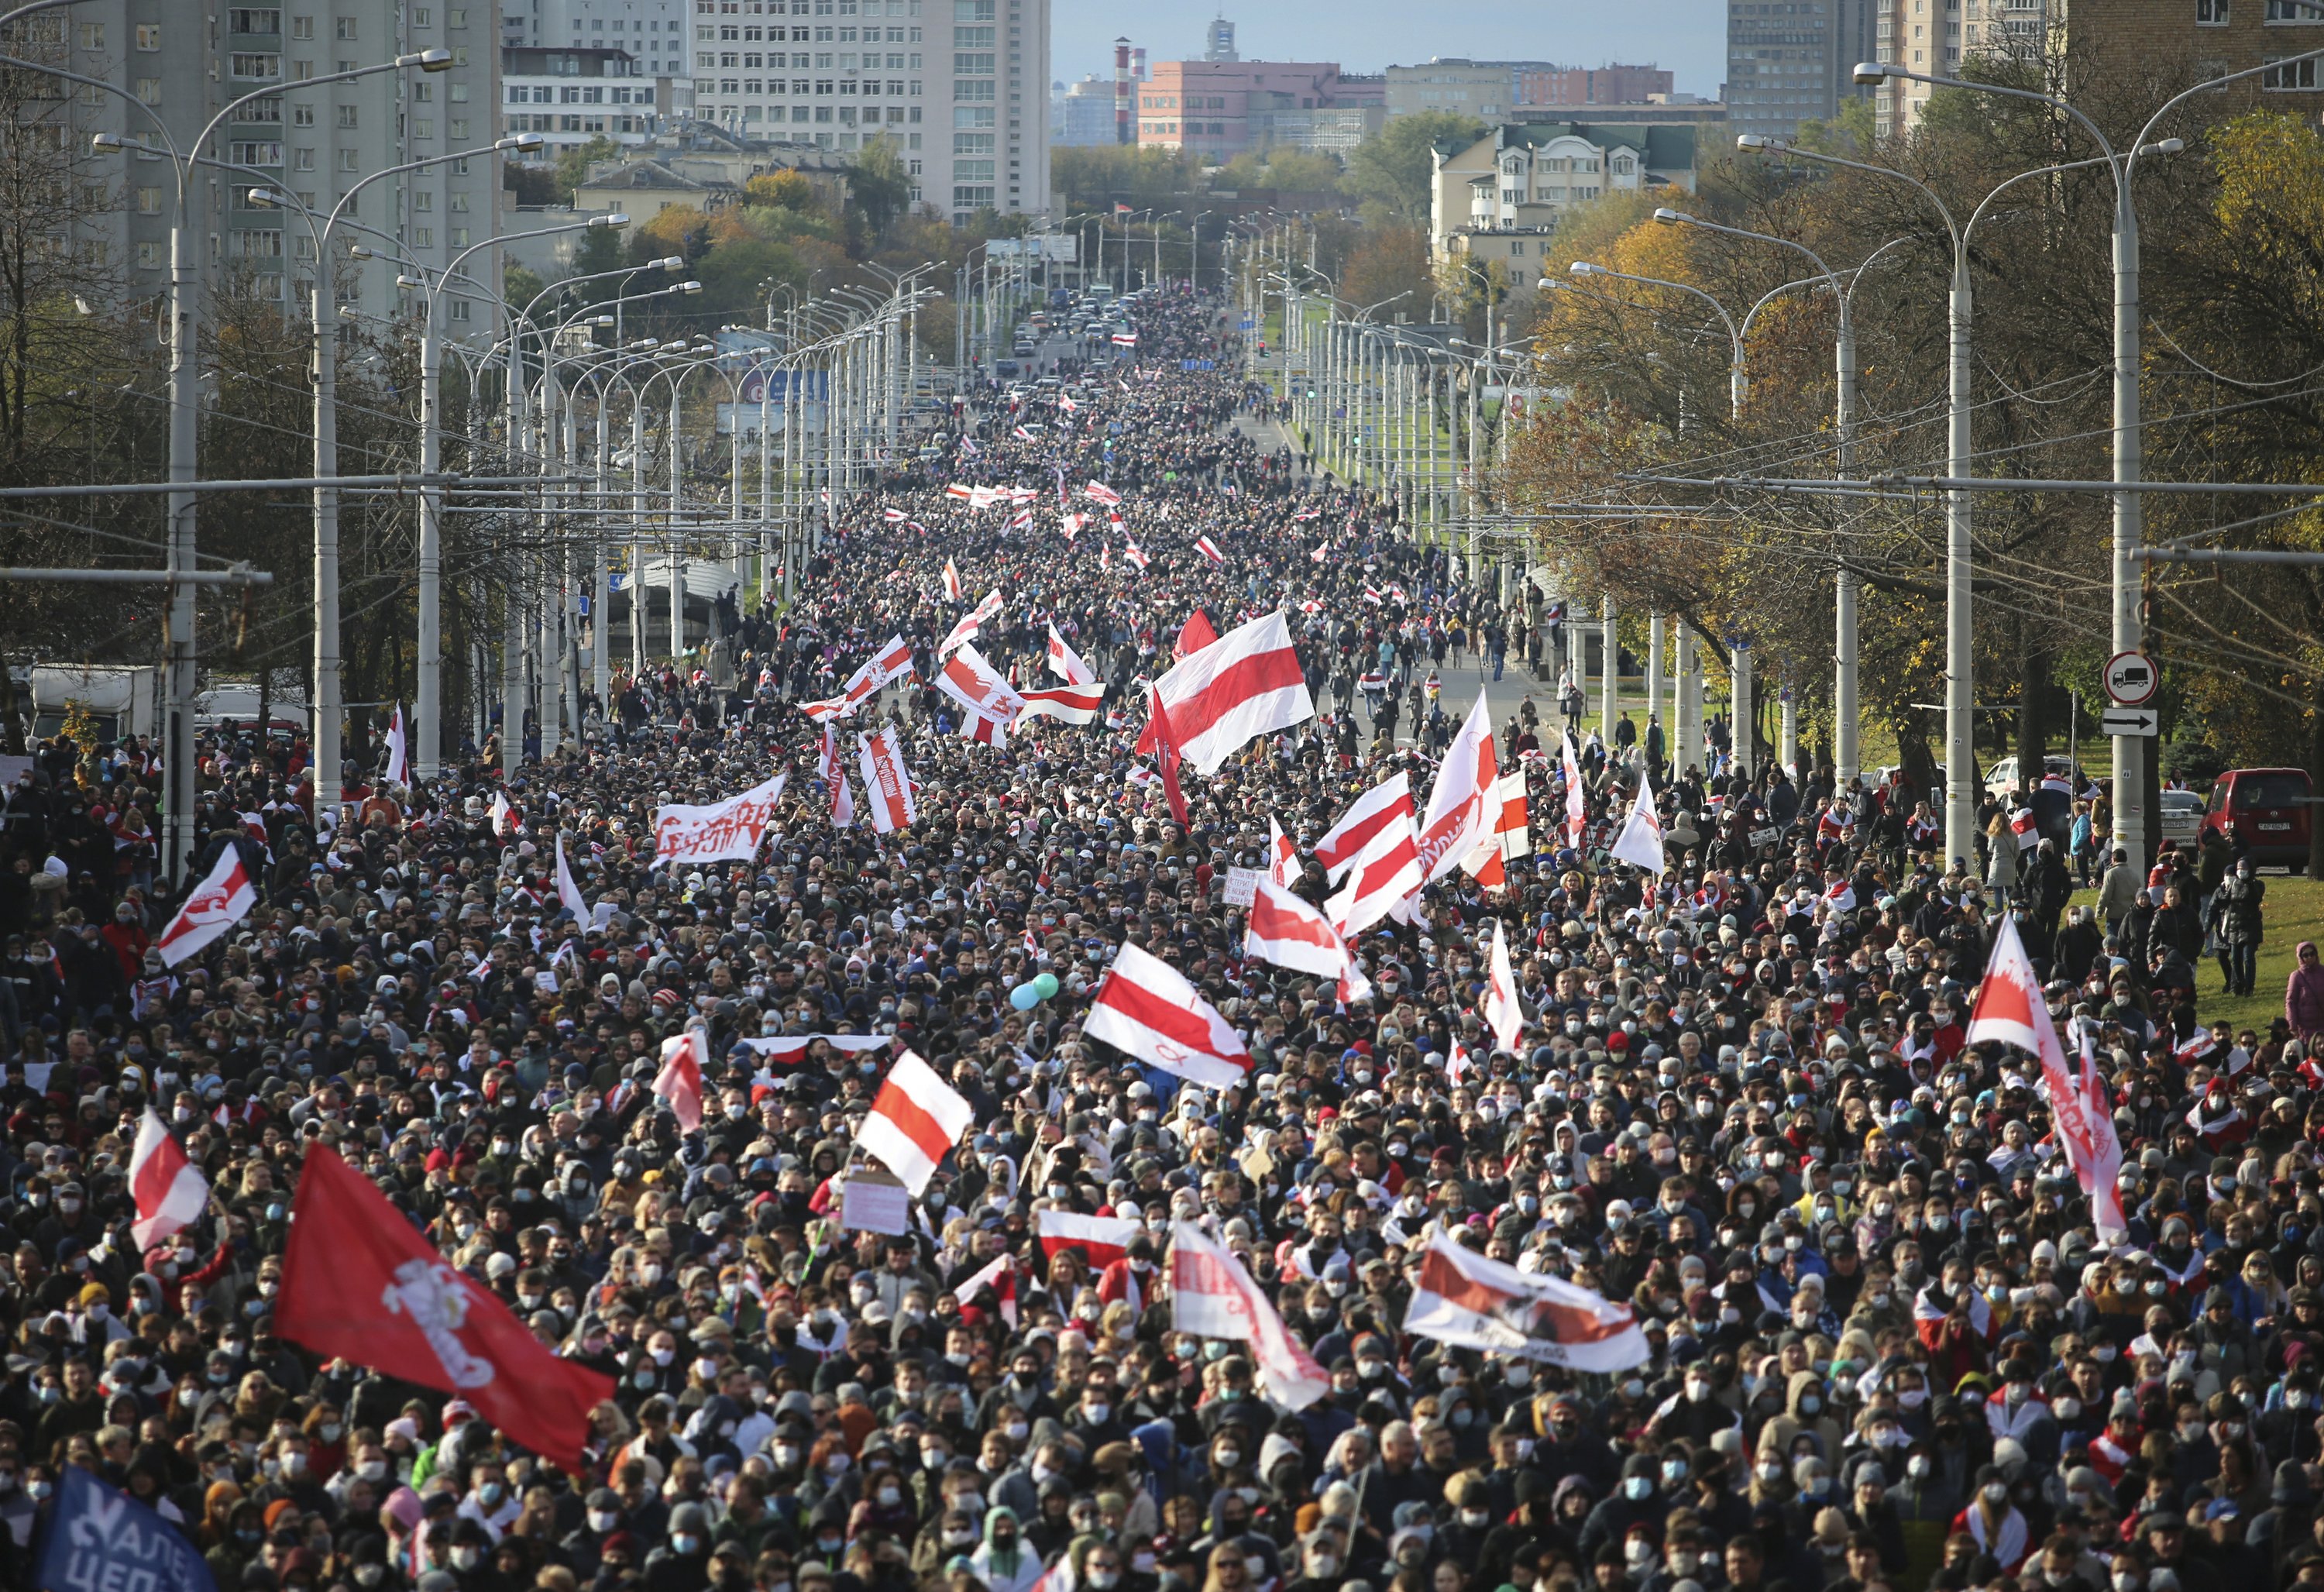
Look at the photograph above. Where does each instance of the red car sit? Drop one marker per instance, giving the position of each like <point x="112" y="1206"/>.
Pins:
<point x="2266" y="811"/>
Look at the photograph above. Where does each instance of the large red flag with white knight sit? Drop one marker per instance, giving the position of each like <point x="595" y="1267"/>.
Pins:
<point x="360" y="1282"/>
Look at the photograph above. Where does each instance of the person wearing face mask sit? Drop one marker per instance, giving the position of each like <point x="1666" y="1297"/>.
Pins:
<point x="1003" y="1561"/>
<point x="681" y="1561"/>
<point x="1992" y="1521"/>
<point x="1637" y="1500"/>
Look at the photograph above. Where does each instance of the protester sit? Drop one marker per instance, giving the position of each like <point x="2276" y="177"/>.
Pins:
<point x="1733" y="1105"/>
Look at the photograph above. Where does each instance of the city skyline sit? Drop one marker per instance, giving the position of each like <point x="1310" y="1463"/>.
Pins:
<point x="1687" y="37"/>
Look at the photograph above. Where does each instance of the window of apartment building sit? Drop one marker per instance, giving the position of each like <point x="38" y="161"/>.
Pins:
<point x="255" y="69"/>
<point x="149" y="256"/>
<point x="347" y="117"/>
<point x="302" y="115"/>
<point x="343" y="29"/>
<point x="458" y="310"/>
<point x="149" y="201"/>
<point x="149" y="36"/>
<point x="2290" y="77"/>
<point x="256" y="153"/>
<point x="302" y="160"/>
<point x="347" y="160"/>
<point x="2211" y="13"/>
<point x="92" y="35"/>
<point x="252" y="19"/>
<point x="149" y="91"/>
<point x="302" y="28"/>
<point x="423" y="237"/>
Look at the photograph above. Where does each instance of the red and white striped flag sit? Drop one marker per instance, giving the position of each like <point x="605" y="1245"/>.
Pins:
<point x="1209" y="549"/>
<point x="892" y="516"/>
<point x="1066" y="664"/>
<point x="1213" y="1296"/>
<point x="1282" y="856"/>
<point x="1022" y="520"/>
<point x="1103" y="1238"/>
<point x="1462" y="812"/>
<point x="1380" y="806"/>
<point x="1145" y="1008"/>
<point x="218" y="902"/>
<point x="1000" y="1276"/>
<point x="983" y="727"/>
<point x="1576" y="811"/>
<point x="1322" y="550"/>
<point x="916" y="1119"/>
<point x="1471" y="1302"/>
<point x="834" y="777"/>
<point x="972" y="621"/>
<point x="1503" y="1015"/>
<point x="953" y="588"/>
<point x="1286" y="930"/>
<point x="679" y="1081"/>
<point x="1134" y="553"/>
<point x="1640" y="843"/>
<point x="1385" y="876"/>
<point x="170" y="1193"/>
<point x="1072" y="705"/>
<point x="1098" y="491"/>
<point x="1247" y="683"/>
<point x="399" y="749"/>
<point x="968" y="679"/>
<point x="881" y="759"/>
<point x="1195" y="634"/>
<point x="893" y="659"/>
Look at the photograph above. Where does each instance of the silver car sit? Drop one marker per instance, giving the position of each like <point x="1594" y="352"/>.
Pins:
<point x="2182" y="816"/>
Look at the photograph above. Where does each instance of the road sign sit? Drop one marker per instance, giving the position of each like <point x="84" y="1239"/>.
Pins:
<point x="2132" y="679"/>
<point x="2129" y="721"/>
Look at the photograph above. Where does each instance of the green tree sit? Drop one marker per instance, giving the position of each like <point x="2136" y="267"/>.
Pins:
<point x="573" y="165"/>
<point x="879" y="185"/>
<point x="1301" y="170"/>
<point x="1392" y="169"/>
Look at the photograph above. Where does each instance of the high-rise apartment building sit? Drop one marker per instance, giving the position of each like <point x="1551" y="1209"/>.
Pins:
<point x="1082" y="114"/>
<point x="653" y="32"/>
<point x="959" y="86"/>
<point x="182" y="64"/>
<point x="1218" y="40"/>
<point x="1790" y="61"/>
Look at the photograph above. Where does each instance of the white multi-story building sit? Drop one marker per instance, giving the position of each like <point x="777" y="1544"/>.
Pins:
<point x="653" y="32"/>
<point x="182" y="63"/>
<point x="959" y="86"/>
<point x="571" y="97"/>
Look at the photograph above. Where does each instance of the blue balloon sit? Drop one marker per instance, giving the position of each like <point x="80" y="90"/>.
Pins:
<point x="1024" y="997"/>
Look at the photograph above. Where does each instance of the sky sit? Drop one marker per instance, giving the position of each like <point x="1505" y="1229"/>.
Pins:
<point x="1689" y="37"/>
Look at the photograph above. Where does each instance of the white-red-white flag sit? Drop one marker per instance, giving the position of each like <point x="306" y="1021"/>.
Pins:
<point x="1282" y="856"/>
<point x="503" y="816"/>
<point x="1135" y="554"/>
<point x="1195" y="634"/>
<point x="916" y="1119"/>
<point x="1209" y="549"/>
<point x="971" y="622"/>
<point x="170" y="1193"/>
<point x="679" y="1081"/>
<point x="1503" y="1015"/>
<point x="1288" y="931"/>
<point x="953" y="588"/>
<point x="893" y="659"/>
<point x="1471" y="1302"/>
<point x="1461" y="814"/>
<point x="1385" y="876"/>
<point x="1374" y="810"/>
<point x="886" y="780"/>
<point x="1640" y="843"/>
<point x="972" y="681"/>
<point x="1098" y="491"/>
<point x="1103" y="1238"/>
<point x="1247" y="683"/>
<point x="1066" y="664"/>
<point x="568" y="891"/>
<point x="1000" y="1276"/>
<point x="1145" y="1008"/>
<point x="2010" y="1009"/>
<point x="218" y="902"/>
<point x="1212" y="1295"/>
<point x="1576" y="811"/>
<point x="399" y="749"/>
<point x="984" y="728"/>
<point x="1073" y="705"/>
<point x="835" y="780"/>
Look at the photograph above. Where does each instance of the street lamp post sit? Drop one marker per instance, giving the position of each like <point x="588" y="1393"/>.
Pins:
<point x="2129" y="795"/>
<point x="184" y="443"/>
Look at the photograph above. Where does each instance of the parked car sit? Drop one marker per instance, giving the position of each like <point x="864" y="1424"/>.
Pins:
<point x="2001" y="779"/>
<point x="2182" y="816"/>
<point x="2266" y="811"/>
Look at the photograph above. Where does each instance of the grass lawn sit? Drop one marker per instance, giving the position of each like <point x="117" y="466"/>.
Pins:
<point x="2294" y="911"/>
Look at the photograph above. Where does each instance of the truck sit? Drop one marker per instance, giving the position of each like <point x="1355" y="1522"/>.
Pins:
<point x="125" y="700"/>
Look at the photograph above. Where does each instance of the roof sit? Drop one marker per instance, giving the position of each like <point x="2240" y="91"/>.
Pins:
<point x="1665" y="146"/>
<point x="647" y="174"/>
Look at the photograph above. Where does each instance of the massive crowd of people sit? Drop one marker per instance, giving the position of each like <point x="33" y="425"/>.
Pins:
<point x="1886" y="1347"/>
